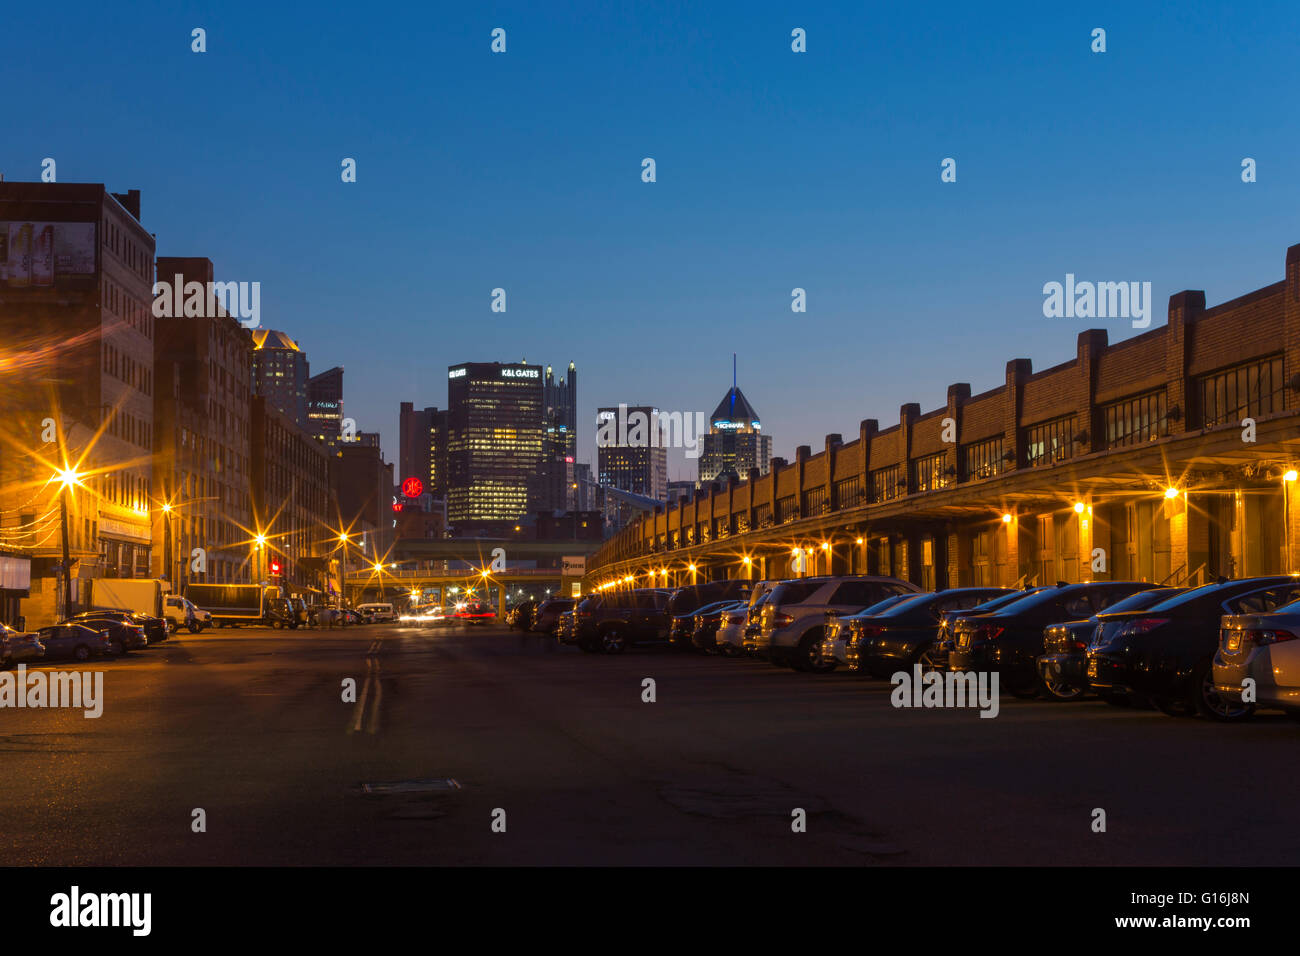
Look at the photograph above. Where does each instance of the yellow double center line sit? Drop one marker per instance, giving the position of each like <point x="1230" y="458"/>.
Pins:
<point x="372" y="692"/>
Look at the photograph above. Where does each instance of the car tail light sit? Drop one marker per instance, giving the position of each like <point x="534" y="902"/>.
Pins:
<point x="987" y="632"/>
<point x="781" y="619"/>
<point x="1143" y="625"/>
<point x="1271" y="636"/>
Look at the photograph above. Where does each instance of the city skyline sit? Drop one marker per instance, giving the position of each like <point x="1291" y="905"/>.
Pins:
<point x="819" y="171"/>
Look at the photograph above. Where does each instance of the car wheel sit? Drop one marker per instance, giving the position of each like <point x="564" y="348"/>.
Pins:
<point x="1174" y="706"/>
<point x="193" y="628"/>
<point x="613" y="641"/>
<point x="809" y="655"/>
<point x="1210" y="703"/>
<point x="1054" y="689"/>
<point x="81" y="652"/>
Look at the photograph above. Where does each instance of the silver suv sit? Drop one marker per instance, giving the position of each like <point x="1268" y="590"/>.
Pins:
<point x="793" y="617"/>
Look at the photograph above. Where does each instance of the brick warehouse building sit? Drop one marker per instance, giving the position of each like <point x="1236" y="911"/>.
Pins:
<point x="1168" y="457"/>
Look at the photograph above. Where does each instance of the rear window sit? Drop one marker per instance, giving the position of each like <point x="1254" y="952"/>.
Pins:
<point x="863" y="593"/>
<point x="1265" y="601"/>
<point x="794" y="592"/>
<point x="1140" y="601"/>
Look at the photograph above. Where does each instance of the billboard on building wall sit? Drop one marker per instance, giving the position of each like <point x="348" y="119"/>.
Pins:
<point x="39" y="254"/>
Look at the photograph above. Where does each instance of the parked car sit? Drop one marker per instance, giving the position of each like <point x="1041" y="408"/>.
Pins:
<point x="1166" y="652"/>
<point x="1061" y="669"/>
<point x="839" y="627"/>
<point x="1010" y="640"/>
<point x="685" y="601"/>
<point x="547" y="615"/>
<point x="936" y="658"/>
<point x="1266" y="649"/>
<point x="521" y="615"/>
<point x="706" y="622"/>
<point x="126" y="630"/>
<point x="613" y="622"/>
<point x="563" y="628"/>
<point x="729" y="639"/>
<point x="754" y="622"/>
<point x="895" y="639"/>
<point x="17" y="647"/>
<point x="793" y="618"/>
<point x="75" y="642"/>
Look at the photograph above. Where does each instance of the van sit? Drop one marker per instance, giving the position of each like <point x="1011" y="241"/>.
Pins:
<point x="376" y="613"/>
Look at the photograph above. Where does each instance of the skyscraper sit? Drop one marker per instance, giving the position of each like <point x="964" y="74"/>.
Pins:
<point x="423" y="448"/>
<point x="494" y="444"/>
<point x="637" y="459"/>
<point x="735" y="442"/>
<point x="325" y="407"/>
<point x="552" y="489"/>
<point x="280" y="374"/>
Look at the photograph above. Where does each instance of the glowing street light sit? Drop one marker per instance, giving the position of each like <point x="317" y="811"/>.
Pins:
<point x="1078" y="507"/>
<point x="1173" y="492"/>
<point x="68" y="478"/>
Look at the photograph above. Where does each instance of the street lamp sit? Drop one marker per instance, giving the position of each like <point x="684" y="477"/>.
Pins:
<point x="343" y="567"/>
<point x="68" y="477"/>
<point x="167" y="542"/>
<point x="260" y="541"/>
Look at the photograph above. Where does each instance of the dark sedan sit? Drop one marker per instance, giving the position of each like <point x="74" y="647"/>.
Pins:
<point x="896" y="639"/>
<point x="936" y="658"/>
<point x="706" y="621"/>
<point x="1010" y="640"/>
<point x="1062" y="668"/>
<point x="1166" y="653"/>
<point x="127" y="631"/>
<point x="74" y="642"/>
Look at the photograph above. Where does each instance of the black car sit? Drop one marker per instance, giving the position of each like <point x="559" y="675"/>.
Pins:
<point x="1061" y="669"/>
<point x="612" y="622"/>
<point x="936" y="658"/>
<point x="685" y="601"/>
<point x="1165" y="653"/>
<point x="278" y="612"/>
<point x="521" y="615"/>
<point x="896" y="638"/>
<point x="1010" y="640"/>
<point x="127" y="631"/>
<point x="705" y="623"/>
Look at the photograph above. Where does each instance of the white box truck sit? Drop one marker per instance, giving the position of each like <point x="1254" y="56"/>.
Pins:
<point x="146" y="596"/>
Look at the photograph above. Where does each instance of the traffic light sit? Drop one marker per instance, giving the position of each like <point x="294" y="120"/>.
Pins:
<point x="275" y="568"/>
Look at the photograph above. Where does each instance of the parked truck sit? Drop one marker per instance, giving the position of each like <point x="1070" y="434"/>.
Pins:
<point x="145" y="596"/>
<point x="233" y="604"/>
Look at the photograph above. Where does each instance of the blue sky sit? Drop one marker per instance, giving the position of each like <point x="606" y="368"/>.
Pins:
<point x="775" y="170"/>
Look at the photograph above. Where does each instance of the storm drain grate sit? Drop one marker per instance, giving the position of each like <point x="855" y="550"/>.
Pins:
<point x="411" y="786"/>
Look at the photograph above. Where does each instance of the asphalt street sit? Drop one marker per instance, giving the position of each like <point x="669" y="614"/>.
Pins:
<point x="559" y="749"/>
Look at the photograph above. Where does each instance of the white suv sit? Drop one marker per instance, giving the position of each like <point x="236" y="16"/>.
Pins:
<point x="794" y="616"/>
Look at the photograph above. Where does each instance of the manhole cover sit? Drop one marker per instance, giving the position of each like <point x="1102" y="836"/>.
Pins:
<point x="411" y="786"/>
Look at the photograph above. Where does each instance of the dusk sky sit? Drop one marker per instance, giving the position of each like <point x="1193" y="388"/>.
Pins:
<point x="775" y="170"/>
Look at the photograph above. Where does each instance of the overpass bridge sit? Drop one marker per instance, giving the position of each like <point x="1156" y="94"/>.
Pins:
<point x="390" y="584"/>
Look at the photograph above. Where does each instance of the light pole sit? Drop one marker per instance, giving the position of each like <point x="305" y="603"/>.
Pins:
<point x="67" y="478"/>
<point x="343" y="567"/>
<point x="261" y="544"/>
<point x="167" y="544"/>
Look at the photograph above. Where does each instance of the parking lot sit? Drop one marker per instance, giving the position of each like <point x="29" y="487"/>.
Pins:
<point x="250" y="727"/>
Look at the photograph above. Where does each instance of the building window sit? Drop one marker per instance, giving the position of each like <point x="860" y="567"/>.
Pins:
<point x="886" y="483"/>
<point x="982" y="459"/>
<point x="1132" y="421"/>
<point x="763" y="516"/>
<point x="814" y="502"/>
<point x="931" y="472"/>
<point x="1050" y="441"/>
<point x="786" y="509"/>
<point x="848" y="493"/>
<point x="1243" y="391"/>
